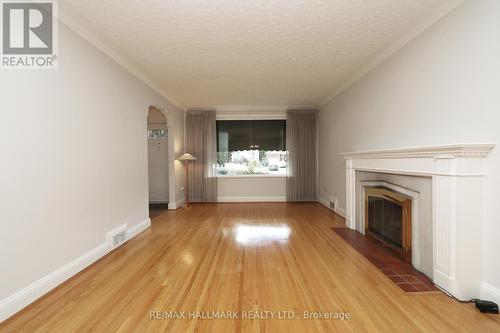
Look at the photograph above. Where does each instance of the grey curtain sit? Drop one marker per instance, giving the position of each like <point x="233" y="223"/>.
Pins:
<point x="301" y="137"/>
<point x="201" y="142"/>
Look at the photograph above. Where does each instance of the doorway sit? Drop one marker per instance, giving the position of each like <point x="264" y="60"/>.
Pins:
<point x="158" y="175"/>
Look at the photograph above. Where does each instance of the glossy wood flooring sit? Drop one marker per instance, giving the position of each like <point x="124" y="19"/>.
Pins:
<point x="246" y="258"/>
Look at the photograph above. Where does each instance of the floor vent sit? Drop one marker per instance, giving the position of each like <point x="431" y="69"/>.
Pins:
<point x="118" y="239"/>
<point x="117" y="236"/>
<point x="334" y="203"/>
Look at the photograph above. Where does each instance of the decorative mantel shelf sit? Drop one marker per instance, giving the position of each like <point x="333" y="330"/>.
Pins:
<point x="456" y="150"/>
<point x="457" y="173"/>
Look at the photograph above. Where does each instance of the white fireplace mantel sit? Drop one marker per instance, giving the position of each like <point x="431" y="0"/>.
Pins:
<point x="458" y="172"/>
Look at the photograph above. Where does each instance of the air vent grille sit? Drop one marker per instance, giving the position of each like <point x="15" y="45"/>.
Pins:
<point x="117" y="236"/>
<point x="118" y="239"/>
<point x="334" y="203"/>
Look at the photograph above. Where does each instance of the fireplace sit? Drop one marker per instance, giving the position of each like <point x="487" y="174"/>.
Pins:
<point x="449" y="254"/>
<point x="388" y="219"/>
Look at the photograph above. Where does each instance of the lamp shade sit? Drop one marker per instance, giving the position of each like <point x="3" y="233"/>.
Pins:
<point x="186" y="157"/>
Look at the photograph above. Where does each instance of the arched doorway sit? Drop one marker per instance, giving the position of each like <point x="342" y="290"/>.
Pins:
<point x="158" y="159"/>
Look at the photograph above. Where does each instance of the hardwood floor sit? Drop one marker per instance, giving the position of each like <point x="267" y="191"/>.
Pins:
<point x="242" y="257"/>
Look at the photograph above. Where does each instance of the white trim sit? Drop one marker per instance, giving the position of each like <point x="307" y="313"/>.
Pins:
<point x="421" y="173"/>
<point x="339" y="210"/>
<point x="324" y="202"/>
<point x="252" y="108"/>
<point x="251" y="112"/>
<point x="270" y="114"/>
<point x="174" y="205"/>
<point x="22" y="298"/>
<point x="394" y="47"/>
<point x="138" y="228"/>
<point x="490" y="293"/>
<point x="172" y="183"/>
<point x="451" y="150"/>
<point x="249" y="177"/>
<point x="446" y="282"/>
<point x="252" y="199"/>
<point x="260" y="108"/>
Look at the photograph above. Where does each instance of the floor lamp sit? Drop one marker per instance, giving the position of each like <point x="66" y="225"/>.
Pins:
<point x="186" y="158"/>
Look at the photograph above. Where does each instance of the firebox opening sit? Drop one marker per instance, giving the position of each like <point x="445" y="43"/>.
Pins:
<point x="388" y="219"/>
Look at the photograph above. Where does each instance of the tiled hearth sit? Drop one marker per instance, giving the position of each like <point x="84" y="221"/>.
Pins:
<point x="401" y="273"/>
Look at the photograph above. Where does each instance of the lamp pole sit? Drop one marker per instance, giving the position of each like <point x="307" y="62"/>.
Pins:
<point x="186" y="181"/>
<point x="186" y="158"/>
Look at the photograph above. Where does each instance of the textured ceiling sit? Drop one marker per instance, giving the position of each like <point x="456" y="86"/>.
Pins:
<point x="254" y="52"/>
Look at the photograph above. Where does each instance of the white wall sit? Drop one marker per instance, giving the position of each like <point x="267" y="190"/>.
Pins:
<point x="73" y="149"/>
<point x="251" y="189"/>
<point x="441" y="88"/>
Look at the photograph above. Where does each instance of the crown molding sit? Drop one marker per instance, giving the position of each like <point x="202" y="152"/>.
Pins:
<point x="393" y="47"/>
<point x="251" y="108"/>
<point x="73" y="23"/>
<point x="453" y="150"/>
<point x="251" y="112"/>
<point x="251" y="115"/>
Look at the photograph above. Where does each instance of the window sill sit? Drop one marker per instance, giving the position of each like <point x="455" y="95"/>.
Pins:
<point x="249" y="176"/>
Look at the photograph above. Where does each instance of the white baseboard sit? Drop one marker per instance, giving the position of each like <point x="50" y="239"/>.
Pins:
<point x="490" y="293"/>
<point x="175" y="205"/>
<point x="158" y="202"/>
<point x="326" y="203"/>
<point x="138" y="228"/>
<point x="252" y="199"/>
<point x="341" y="211"/>
<point x="12" y="304"/>
<point x="22" y="298"/>
<point x="445" y="282"/>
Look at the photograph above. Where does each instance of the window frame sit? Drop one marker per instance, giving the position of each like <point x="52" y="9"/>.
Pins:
<point x="252" y="129"/>
<point x="267" y="115"/>
<point x="162" y="136"/>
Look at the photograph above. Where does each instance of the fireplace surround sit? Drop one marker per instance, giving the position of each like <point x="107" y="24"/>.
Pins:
<point x="457" y="173"/>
